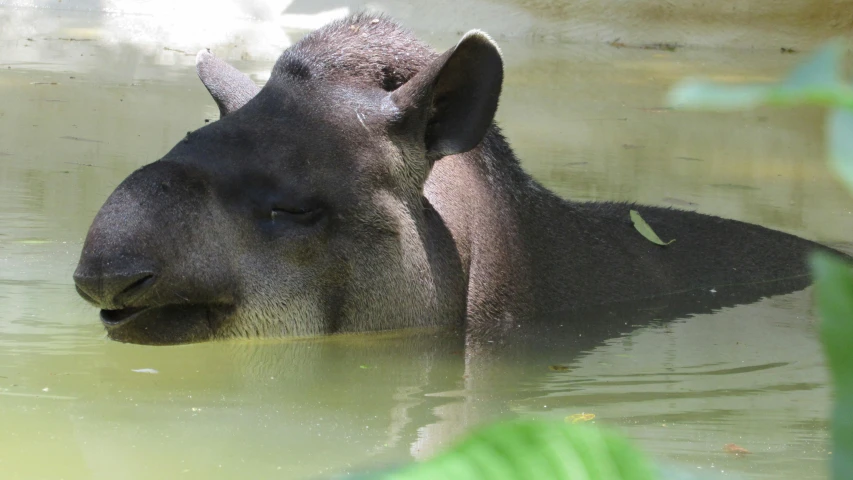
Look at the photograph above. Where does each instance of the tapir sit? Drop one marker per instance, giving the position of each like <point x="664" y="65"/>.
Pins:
<point x="366" y="187"/>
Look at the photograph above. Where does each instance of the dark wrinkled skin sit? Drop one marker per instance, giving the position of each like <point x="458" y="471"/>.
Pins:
<point x="365" y="187"/>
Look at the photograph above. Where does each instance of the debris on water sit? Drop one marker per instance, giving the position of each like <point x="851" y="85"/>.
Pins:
<point x="665" y="46"/>
<point x="145" y="370"/>
<point x="689" y="159"/>
<point x="80" y="139"/>
<point x="735" y="449"/>
<point x="733" y="186"/>
<point x="177" y="51"/>
<point x="713" y="290"/>
<point x="657" y="109"/>
<point x="363" y="367"/>
<point x="645" y="230"/>
<point x="86" y="165"/>
<point x="677" y="201"/>
<point x="45" y="389"/>
<point x="558" y="368"/>
<point x="43" y="83"/>
<point x="628" y="146"/>
<point x="34" y="395"/>
<point x="580" y="417"/>
<point x="787" y="50"/>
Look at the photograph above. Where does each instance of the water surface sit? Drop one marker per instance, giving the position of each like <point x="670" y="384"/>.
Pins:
<point x="77" y="117"/>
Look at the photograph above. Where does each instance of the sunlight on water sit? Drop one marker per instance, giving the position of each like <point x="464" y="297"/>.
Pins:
<point x="587" y="121"/>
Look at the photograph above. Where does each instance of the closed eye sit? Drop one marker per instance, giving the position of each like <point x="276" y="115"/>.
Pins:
<point x="297" y="215"/>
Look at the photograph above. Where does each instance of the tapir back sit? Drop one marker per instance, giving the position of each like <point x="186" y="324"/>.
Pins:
<point x="611" y="262"/>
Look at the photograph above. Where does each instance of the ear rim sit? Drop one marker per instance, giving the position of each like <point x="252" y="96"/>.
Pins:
<point x="476" y="32"/>
<point x="416" y="98"/>
<point x="229" y="87"/>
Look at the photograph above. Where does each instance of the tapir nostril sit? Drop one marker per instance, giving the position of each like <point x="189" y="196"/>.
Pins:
<point x="113" y="290"/>
<point x="138" y="286"/>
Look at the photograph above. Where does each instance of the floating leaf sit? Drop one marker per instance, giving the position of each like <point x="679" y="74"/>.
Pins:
<point x="645" y="230"/>
<point x="530" y="449"/>
<point x="735" y="449"/>
<point x="834" y="284"/>
<point x="580" y="417"/>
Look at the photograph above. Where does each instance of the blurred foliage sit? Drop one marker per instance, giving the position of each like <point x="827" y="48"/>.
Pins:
<point x="528" y="449"/>
<point x="816" y="81"/>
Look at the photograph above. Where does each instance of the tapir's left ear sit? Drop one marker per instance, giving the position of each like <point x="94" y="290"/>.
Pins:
<point x="455" y="97"/>
<point x="229" y="87"/>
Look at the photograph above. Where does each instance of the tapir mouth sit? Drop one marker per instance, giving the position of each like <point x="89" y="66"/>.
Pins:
<point x="165" y="324"/>
<point x="112" y="318"/>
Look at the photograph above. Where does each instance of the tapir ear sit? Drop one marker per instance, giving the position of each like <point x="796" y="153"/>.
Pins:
<point x="456" y="95"/>
<point x="229" y="87"/>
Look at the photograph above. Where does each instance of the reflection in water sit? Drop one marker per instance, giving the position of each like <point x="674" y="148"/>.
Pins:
<point x="681" y="376"/>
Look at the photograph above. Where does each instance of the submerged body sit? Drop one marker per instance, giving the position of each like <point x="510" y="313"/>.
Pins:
<point x="365" y="187"/>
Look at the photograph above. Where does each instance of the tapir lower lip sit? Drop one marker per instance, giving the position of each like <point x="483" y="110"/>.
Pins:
<point x="166" y="324"/>
<point x="114" y="318"/>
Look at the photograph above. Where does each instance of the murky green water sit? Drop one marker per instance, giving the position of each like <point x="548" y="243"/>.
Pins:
<point x="77" y="117"/>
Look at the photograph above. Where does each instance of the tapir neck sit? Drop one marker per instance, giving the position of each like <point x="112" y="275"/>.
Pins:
<point x="526" y="252"/>
<point x="481" y="197"/>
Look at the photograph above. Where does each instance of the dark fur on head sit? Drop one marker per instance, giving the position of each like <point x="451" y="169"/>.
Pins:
<point x="367" y="49"/>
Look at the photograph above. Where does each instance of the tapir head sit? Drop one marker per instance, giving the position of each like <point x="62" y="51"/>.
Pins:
<point x="301" y="210"/>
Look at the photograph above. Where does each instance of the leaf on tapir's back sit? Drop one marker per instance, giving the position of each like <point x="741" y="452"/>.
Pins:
<point x="645" y="230"/>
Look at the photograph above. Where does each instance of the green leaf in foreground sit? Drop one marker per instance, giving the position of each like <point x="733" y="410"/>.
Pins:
<point x="522" y="450"/>
<point x="645" y="230"/>
<point x="834" y="284"/>
<point x="821" y="68"/>
<point x="839" y="138"/>
<point x="817" y="80"/>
